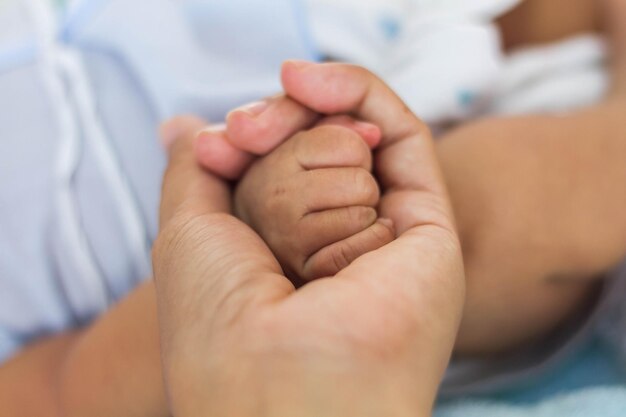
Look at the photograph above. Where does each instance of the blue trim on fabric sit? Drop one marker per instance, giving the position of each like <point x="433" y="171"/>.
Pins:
<point x="75" y="20"/>
<point x="9" y="346"/>
<point x="18" y="55"/>
<point x="390" y="27"/>
<point x="467" y="98"/>
<point x="595" y="365"/>
<point x="306" y="32"/>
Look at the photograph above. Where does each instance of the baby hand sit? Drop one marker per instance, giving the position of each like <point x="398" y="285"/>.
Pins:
<point x="313" y="200"/>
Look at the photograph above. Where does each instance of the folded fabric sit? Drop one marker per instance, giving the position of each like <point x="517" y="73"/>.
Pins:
<point x="552" y="78"/>
<point x="441" y="56"/>
<point x="82" y="89"/>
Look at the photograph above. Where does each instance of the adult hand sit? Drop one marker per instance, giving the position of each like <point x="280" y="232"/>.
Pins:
<point x="404" y="160"/>
<point x="238" y="339"/>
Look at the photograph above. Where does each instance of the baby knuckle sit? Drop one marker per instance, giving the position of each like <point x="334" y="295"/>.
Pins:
<point x="363" y="216"/>
<point x="299" y="143"/>
<point x="383" y="233"/>
<point x="342" y="256"/>
<point x="339" y="137"/>
<point x="350" y="141"/>
<point x="365" y="185"/>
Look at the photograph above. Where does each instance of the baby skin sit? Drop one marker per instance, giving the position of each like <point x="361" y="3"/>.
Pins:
<point x="313" y="200"/>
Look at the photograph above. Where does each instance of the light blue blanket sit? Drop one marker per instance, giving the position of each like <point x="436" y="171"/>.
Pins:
<point x="587" y="402"/>
<point x="590" y="385"/>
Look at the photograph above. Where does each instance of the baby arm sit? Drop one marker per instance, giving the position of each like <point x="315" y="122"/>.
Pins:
<point x="313" y="200"/>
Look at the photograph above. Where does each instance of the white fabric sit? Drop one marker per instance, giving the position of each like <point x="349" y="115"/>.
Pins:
<point x="553" y="78"/>
<point x="441" y="56"/>
<point x="82" y="91"/>
<point x="444" y="58"/>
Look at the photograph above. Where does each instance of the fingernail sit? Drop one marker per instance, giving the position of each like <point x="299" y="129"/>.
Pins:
<point x="169" y="131"/>
<point x="203" y="139"/>
<point x="208" y="134"/>
<point x="214" y="129"/>
<point x="253" y="109"/>
<point x="299" y="64"/>
<point x="370" y="128"/>
<point x="388" y="223"/>
<point x="365" y="125"/>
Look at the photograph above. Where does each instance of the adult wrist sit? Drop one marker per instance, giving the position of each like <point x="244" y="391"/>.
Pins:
<point x="292" y="386"/>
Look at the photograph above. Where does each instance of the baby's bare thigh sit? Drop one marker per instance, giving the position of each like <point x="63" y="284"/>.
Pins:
<point x="506" y="312"/>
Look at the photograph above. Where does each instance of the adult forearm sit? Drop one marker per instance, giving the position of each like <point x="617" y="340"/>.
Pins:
<point x="111" y="368"/>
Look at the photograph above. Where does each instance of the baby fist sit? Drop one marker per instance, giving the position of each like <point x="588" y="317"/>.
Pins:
<point x="313" y="200"/>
